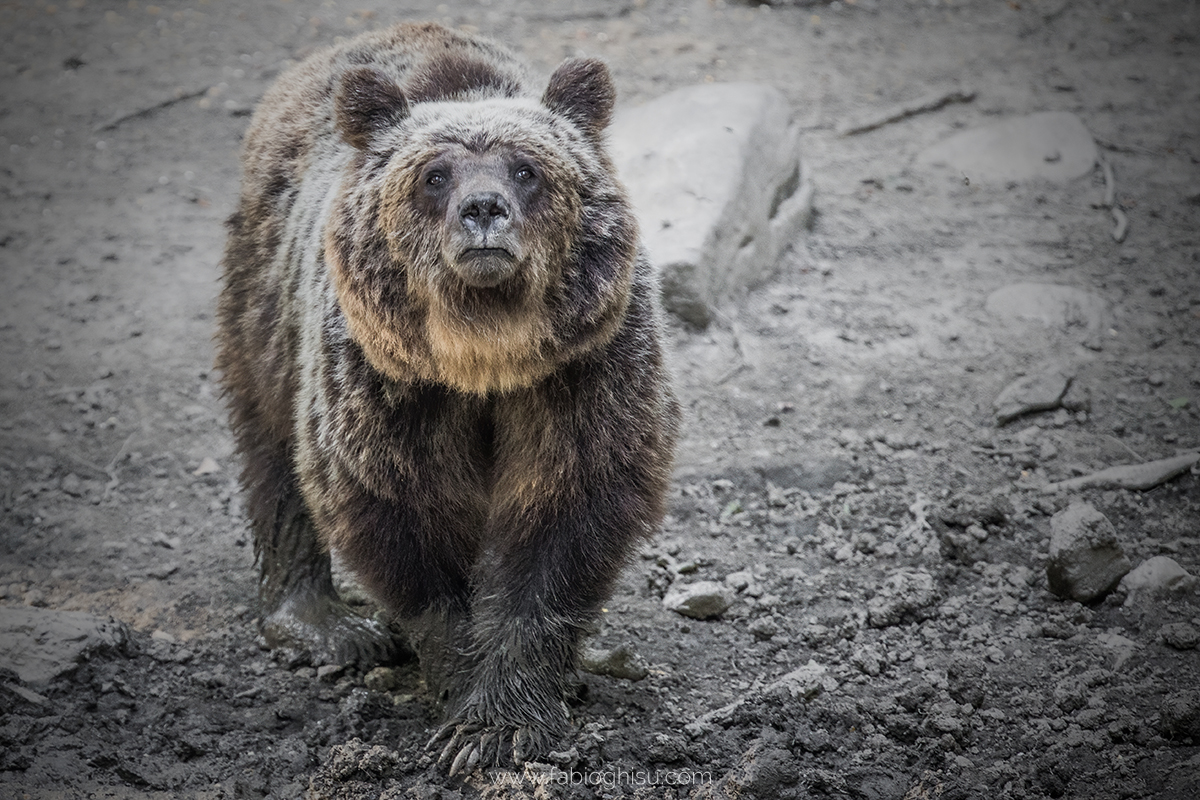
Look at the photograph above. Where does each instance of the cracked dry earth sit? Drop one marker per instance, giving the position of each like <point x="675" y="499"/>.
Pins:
<point x="842" y="480"/>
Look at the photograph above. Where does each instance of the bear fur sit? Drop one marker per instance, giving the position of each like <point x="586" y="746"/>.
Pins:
<point x="441" y="345"/>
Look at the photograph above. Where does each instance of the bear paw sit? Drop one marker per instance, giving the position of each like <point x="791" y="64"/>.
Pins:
<point x="466" y="744"/>
<point x="328" y="631"/>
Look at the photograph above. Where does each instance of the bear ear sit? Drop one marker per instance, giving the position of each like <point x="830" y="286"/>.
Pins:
<point x="582" y="90"/>
<point x="367" y="102"/>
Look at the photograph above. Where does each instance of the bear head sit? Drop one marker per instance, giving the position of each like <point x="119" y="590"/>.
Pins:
<point x="479" y="241"/>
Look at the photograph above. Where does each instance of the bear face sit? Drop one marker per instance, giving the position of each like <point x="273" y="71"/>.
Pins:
<point x="481" y="243"/>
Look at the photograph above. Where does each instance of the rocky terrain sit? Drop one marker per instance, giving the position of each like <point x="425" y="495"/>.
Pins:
<point x="894" y="565"/>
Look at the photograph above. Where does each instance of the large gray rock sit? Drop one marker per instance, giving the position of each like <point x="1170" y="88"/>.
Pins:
<point x="40" y="645"/>
<point x="1156" y="577"/>
<point x="715" y="176"/>
<point x="1052" y="145"/>
<point x="1086" y="559"/>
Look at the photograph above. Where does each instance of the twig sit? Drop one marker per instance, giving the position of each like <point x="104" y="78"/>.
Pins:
<point x="148" y="110"/>
<point x="1121" y="229"/>
<point x="1131" y="476"/>
<point x="903" y="111"/>
<point x="111" y="469"/>
<point x="1001" y="451"/>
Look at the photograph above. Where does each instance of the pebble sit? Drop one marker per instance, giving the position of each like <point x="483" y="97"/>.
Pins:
<point x="381" y="679"/>
<point x="1086" y="560"/>
<point x="700" y="600"/>
<point x="868" y="660"/>
<point x="616" y="662"/>
<point x="328" y="673"/>
<point x="906" y="595"/>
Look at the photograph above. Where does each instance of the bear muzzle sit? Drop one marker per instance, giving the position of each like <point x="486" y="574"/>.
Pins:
<point x="485" y="242"/>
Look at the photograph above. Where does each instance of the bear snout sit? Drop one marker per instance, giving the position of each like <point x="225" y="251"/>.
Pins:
<point x="482" y="211"/>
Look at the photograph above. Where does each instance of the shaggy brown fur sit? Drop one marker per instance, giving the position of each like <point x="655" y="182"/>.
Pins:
<point x="441" y="347"/>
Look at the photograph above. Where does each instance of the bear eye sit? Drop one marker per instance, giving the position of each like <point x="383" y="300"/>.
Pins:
<point x="435" y="179"/>
<point x="525" y="173"/>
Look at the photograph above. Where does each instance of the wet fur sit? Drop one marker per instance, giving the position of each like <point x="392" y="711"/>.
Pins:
<point x="485" y="458"/>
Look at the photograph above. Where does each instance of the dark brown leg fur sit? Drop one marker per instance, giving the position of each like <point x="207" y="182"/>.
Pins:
<point x="300" y="609"/>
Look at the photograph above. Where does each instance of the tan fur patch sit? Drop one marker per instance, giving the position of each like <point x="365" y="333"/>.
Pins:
<point x="495" y="355"/>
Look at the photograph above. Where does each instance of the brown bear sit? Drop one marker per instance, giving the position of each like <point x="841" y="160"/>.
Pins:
<point x="441" y="346"/>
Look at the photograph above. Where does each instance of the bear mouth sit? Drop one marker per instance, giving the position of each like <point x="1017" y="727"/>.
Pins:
<point x="485" y="267"/>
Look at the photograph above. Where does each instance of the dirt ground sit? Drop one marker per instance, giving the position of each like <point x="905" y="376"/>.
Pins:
<point x="893" y="635"/>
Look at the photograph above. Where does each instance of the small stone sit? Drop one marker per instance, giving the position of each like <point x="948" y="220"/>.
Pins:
<point x="700" y="600"/>
<point x="1180" y="715"/>
<point x="764" y="628"/>
<point x="868" y="660"/>
<point x="617" y="662"/>
<point x="1180" y="635"/>
<point x="1086" y="560"/>
<point x="739" y="580"/>
<point x="804" y="682"/>
<point x="208" y="466"/>
<point x="381" y="679"/>
<point x="1042" y="391"/>
<point x="163" y="571"/>
<point x="905" y="596"/>
<point x="73" y="485"/>
<point x="328" y="673"/>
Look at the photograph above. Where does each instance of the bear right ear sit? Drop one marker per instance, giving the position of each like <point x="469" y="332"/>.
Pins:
<point x="367" y="102"/>
<point x="582" y="90"/>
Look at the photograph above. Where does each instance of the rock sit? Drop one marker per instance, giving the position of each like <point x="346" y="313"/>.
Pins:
<point x="1054" y="306"/>
<point x="1053" y="146"/>
<point x="764" y="628"/>
<point x="1042" y="391"/>
<point x="906" y="596"/>
<point x="715" y="176"/>
<point x="1180" y="635"/>
<point x="1086" y="560"/>
<point x="700" y="600"/>
<point x="868" y="660"/>
<point x="41" y="645"/>
<point x="618" y="662"/>
<point x="804" y="682"/>
<point x="328" y="673"/>
<point x="381" y="679"/>
<point x="1180" y="715"/>
<point x="1156" y="576"/>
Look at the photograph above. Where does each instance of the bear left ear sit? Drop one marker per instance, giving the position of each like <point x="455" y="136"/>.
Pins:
<point x="368" y="102"/>
<point x="582" y="90"/>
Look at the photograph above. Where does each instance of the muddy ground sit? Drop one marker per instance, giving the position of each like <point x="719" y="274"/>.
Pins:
<point x="841" y="465"/>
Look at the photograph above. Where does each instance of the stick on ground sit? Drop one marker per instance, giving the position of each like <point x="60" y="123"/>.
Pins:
<point x="905" y="110"/>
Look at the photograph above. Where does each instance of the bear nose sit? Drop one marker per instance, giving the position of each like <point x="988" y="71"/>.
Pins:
<point x="480" y="211"/>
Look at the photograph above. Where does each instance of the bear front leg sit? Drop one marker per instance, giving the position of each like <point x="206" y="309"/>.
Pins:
<point x="536" y="593"/>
